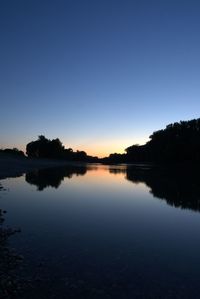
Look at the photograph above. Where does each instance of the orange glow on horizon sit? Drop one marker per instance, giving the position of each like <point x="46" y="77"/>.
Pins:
<point x="94" y="148"/>
<point x="105" y="148"/>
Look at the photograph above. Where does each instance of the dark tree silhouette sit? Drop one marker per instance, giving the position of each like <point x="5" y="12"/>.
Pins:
<point x="13" y="152"/>
<point x="53" y="149"/>
<point x="178" y="142"/>
<point x="45" y="148"/>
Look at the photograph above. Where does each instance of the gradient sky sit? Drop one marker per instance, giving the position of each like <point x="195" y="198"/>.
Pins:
<point x="98" y="74"/>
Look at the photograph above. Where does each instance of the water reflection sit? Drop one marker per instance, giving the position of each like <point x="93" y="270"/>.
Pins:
<point x="53" y="177"/>
<point x="105" y="236"/>
<point x="180" y="187"/>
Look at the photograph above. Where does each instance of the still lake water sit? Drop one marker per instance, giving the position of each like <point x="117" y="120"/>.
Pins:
<point x="100" y="231"/>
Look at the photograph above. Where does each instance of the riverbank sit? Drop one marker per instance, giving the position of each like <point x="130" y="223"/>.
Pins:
<point x="14" y="166"/>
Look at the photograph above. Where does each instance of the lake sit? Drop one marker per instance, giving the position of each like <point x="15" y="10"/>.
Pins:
<point x="97" y="231"/>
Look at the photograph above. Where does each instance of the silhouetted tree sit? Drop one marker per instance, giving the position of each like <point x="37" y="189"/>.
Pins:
<point x="178" y="142"/>
<point x="45" y="148"/>
<point x="13" y="152"/>
<point x="80" y="156"/>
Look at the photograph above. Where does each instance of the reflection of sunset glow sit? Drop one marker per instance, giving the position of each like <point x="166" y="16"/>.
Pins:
<point x="108" y="176"/>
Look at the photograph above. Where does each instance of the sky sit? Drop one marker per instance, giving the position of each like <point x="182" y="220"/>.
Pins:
<point x="100" y="75"/>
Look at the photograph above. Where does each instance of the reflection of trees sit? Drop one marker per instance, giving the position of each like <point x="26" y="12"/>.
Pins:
<point x="180" y="187"/>
<point x="117" y="170"/>
<point x="53" y="177"/>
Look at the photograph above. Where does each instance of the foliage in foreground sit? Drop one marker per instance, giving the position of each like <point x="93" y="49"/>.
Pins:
<point x="10" y="284"/>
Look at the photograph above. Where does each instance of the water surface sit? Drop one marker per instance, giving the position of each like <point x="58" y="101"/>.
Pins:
<point x="100" y="231"/>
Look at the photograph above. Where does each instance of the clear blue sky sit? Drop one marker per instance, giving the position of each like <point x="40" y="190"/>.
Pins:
<point x="99" y="74"/>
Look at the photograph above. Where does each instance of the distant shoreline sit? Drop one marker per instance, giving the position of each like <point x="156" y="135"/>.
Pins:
<point x="12" y="166"/>
<point x="15" y="166"/>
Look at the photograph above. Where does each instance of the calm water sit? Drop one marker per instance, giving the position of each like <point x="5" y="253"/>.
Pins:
<point x="107" y="231"/>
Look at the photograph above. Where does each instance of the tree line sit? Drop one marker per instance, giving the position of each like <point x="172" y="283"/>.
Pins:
<point x="54" y="149"/>
<point x="12" y="151"/>
<point x="178" y="142"/>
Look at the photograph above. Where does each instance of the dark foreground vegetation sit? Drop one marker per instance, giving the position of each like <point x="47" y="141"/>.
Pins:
<point x="10" y="283"/>
<point x="178" y="142"/>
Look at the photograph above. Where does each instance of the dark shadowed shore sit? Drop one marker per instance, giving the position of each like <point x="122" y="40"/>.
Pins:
<point x="13" y="166"/>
